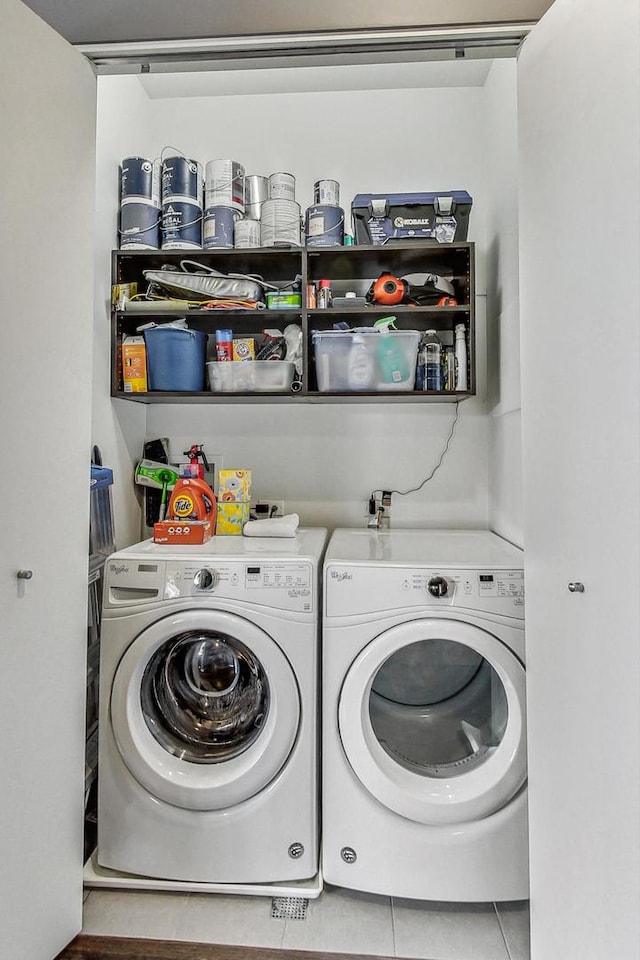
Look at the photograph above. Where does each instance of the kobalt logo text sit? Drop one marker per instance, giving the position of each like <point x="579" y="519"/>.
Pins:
<point x="411" y="222"/>
<point x="341" y="575"/>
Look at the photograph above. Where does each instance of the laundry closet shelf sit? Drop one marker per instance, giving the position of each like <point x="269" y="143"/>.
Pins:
<point x="352" y="268"/>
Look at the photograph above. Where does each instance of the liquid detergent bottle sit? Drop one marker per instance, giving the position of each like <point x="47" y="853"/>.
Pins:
<point x="360" y="365"/>
<point x="430" y="360"/>
<point x="392" y="360"/>
<point x="192" y="499"/>
<point x="461" y="357"/>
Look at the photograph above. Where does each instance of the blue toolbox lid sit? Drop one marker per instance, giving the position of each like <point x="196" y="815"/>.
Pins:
<point x="405" y="199"/>
<point x="100" y="477"/>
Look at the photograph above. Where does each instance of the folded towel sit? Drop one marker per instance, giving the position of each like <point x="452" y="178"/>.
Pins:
<point x="276" y="527"/>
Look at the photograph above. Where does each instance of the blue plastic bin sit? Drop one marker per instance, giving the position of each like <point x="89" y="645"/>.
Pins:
<point x="175" y="358"/>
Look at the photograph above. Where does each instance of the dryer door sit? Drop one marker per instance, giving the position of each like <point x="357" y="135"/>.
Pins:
<point x="204" y="709"/>
<point x="432" y="720"/>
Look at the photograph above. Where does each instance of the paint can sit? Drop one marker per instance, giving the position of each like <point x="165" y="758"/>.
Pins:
<point x="282" y="186"/>
<point x="139" y="225"/>
<point x="324" y="226"/>
<point x="140" y="180"/>
<point x="224" y="184"/>
<point x="247" y="233"/>
<point x="256" y="191"/>
<point x="280" y="223"/>
<point x="218" y="227"/>
<point x="181" y="225"/>
<point x="181" y="180"/>
<point x="326" y="192"/>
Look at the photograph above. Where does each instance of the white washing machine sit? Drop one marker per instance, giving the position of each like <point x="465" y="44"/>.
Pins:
<point x="208" y="759"/>
<point x="424" y="732"/>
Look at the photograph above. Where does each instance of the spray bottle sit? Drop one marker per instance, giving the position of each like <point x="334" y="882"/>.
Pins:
<point x="392" y="360"/>
<point x="461" y="357"/>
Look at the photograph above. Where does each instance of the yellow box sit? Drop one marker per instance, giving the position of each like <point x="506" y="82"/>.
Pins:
<point x="231" y="518"/>
<point x="134" y="365"/>
<point x="234" y="486"/>
<point x="244" y="348"/>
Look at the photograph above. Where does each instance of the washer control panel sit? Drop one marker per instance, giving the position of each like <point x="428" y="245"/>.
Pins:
<point x="280" y="585"/>
<point x="352" y="589"/>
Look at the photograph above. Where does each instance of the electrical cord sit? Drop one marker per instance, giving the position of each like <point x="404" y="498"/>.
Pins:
<point x="404" y="493"/>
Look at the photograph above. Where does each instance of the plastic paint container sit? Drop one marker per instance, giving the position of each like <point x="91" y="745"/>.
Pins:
<point x="224" y="184"/>
<point x="326" y="192"/>
<point x="282" y="186"/>
<point x="280" y="223"/>
<point x="324" y="226"/>
<point x="256" y="191"/>
<point x="181" y="180"/>
<point x="181" y="226"/>
<point x="218" y="227"/>
<point x="139" y="226"/>
<point x="247" y="234"/>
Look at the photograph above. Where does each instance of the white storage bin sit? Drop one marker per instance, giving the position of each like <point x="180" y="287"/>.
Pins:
<point x="366" y="359"/>
<point x="244" y="376"/>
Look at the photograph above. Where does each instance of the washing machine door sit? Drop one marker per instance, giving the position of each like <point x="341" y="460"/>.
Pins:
<point x="432" y="720"/>
<point x="204" y="709"/>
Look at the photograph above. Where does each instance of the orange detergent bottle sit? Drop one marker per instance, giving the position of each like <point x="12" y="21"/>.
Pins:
<point x="192" y="499"/>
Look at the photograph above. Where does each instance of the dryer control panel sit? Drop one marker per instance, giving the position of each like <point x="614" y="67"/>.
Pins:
<point x="287" y="585"/>
<point x="358" y="589"/>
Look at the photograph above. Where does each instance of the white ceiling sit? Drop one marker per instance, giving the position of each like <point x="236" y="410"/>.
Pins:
<point x="109" y="21"/>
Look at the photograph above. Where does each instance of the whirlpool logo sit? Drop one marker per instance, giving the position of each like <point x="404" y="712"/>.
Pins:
<point x="341" y="575"/>
<point x="117" y="569"/>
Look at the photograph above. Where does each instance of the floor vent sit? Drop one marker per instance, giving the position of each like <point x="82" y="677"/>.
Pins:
<point x="289" y="908"/>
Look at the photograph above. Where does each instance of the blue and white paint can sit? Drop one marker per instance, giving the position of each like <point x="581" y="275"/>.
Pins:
<point x="181" y="180"/>
<point x="181" y="225"/>
<point x="218" y="227"/>
<point x="140" y="180"/>
<point x="224" y="184"/>
<point x="247" y="234"/>
<point x="139" y="226"/>
<point x="324" y="226"/>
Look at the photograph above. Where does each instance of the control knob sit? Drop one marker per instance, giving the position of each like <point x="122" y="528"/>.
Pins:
<point x="437" y="586"/>
<point x="205" y="579"/>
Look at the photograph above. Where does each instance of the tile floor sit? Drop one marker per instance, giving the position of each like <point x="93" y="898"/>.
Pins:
<point x="338" y="921"/>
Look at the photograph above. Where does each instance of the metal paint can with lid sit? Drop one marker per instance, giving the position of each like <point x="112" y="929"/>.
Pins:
<point x="324" y="226"/>
<point x="224" y="184"/>
<point x="326" y="192"/>
<point x="282" y="186"/>
<point x="247" y="233"/>
<point x="256" y="191"/>
<point x="280" y="223"/>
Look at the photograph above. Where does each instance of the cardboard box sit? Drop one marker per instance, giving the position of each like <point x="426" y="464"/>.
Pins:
<point x="134" y="365"/>
<point x="234" y="486"/>
<point x="231" y="518"/>
<point x="182" y="531"/>
<point x="244" y="348"/>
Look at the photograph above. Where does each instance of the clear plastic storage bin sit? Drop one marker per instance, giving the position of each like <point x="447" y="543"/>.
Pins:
<point x="365" y="359"/>
<point x="239" y="376"/>
<point x="101" y="532"/>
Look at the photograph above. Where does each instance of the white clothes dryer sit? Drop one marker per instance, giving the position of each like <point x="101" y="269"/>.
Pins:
<point x="424" y="730"/>
<point x="208" y="760"/>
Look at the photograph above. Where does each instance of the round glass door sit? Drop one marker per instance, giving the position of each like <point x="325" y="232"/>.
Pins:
<point x="204" y="709"/>
<point x="431" y="717"/>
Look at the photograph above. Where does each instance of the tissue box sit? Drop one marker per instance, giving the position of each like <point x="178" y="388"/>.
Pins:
<point x="231" y="518"/>
<point x="182" y="531"/>
<point x="234" y="486"/>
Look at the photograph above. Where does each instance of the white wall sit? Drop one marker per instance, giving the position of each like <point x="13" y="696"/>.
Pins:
<point x="322" y="459"/>
<point x="503" y="319"/>
<point x="118" y="427"/>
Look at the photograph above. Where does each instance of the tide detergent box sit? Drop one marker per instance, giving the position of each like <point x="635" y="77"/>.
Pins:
<point x="182" y="531"/>
<point x="134" y="365"/>
<point x="234" y="486"/>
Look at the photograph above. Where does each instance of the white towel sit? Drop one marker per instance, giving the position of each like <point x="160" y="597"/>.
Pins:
<point x="275" y="527"/>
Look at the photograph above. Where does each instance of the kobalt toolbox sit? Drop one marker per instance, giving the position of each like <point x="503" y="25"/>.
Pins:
<point x="379" y="218"/>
